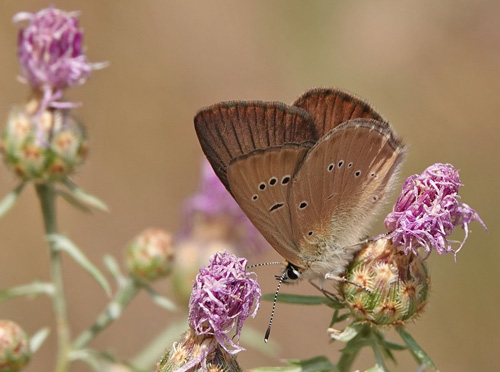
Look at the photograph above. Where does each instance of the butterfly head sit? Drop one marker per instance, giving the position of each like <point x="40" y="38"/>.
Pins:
<point x="291" y="274"/>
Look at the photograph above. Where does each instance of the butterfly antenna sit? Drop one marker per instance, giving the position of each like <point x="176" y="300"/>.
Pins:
<point x="268" y="332"/>
<point x="264" y="264"/>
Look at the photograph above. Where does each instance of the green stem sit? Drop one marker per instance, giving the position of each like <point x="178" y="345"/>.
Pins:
<point x="122" y="298"/>
<point x="47" y="194"/>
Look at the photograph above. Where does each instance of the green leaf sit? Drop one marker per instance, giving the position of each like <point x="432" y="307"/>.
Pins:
<point x="10" y="199"/>
<point x="297" y="299"/>
<point x="63" y="243"/>
<point x="38" y="339"/>
<point x="113" y="268"/>
<point x="349" y="332"/>
<point x="316" y="364"/>
<point x="418" y="353"/>
<point x="84" y="197"/>
<point x="160" y="300"/>
<point x="34" y="289"/>
<point x="70" y="198"/>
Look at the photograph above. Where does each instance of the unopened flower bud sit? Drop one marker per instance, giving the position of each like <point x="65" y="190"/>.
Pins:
<point x="197" y="353"/>
<point x="14" y="347"/>
<point x="150" y="255"/>
<point x="46" y="146"/>
<point x="391" y="287"/>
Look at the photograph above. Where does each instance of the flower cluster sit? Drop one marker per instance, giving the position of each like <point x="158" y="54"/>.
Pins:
<point x="428" y="210"/>
<point x="223" y="296"/>
<point x="51" y="52"/>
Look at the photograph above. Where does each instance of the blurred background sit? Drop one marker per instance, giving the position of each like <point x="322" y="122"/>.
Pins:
<point x="432" y="68"/>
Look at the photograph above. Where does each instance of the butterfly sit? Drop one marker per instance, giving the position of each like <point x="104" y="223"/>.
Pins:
<point x="309" y="176"/>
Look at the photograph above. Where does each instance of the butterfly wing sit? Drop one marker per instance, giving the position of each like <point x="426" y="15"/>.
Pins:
<point x="330" y="107"/>
<point x="340" y="184"/>
<point x="259" y="182"/>
<point x="228" y="130"/>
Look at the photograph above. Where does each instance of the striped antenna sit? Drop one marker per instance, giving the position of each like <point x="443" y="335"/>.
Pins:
<point x="264" y="264"/>
<point x="268" y="332"/>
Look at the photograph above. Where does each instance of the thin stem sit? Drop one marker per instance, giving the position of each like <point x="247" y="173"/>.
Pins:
<point x="122" y="298"/>
<point x="46" y="194"/>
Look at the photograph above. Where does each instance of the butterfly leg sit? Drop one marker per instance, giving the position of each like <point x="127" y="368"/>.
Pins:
<point x="331" y="276"/>
<point x="331" y="296"/>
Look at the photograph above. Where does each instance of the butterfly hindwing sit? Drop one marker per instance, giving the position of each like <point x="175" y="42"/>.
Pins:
<point x="341" y="183"/>
<point x="330" y="107"/>
<point x="228" y="130"/>
<point x="259" y="182"/>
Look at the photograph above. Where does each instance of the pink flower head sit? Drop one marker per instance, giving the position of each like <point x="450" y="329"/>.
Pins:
<point x="50" y="51"/>
<point x="223" y="296"/>
<point x="428" y="210"/>
<point x="214" y="202"/>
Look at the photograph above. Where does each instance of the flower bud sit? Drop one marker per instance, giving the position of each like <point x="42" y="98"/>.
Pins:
<point x="46" y="146"/>
<point x="150" y="255"/>
<point x="14" y="347"/>
<point x="392" y="286"/>
<point x="197" y="353"/>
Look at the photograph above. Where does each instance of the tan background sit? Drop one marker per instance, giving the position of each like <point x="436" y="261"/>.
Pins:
<point x="432" y="68"/>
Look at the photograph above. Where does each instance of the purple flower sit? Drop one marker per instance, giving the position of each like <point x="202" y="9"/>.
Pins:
<point x="223" y="296"/>
<point x="50" y="52"/>
<point x="428" y="210"/>
<point x="217" y="208"/>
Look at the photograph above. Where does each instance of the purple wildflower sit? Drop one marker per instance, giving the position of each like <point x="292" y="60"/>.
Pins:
<point x="223" y="296"/>
<point x="214" y="203"/>
<point x="50" y="52"/>
<point x="428" y="210"/>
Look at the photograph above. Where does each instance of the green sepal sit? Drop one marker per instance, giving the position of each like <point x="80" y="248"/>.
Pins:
<point x="316" y="364"/>
<point x="10" y="199"/>
<point x="85" y="197"/>
<point x="63" y="243"/>
<point x="37" y="340"/>
<point x="418" y="353"/>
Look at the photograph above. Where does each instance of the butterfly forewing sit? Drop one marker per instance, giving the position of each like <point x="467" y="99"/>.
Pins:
<point x="330" y="107"/>
<point x="259" y="183"/>
<point x="340" y="184"/>
<point x="228" y="130"/>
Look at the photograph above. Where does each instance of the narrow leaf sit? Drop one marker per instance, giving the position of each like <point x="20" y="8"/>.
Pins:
<point x="113" y="268"/>
<point x="63" y="243"/>
<point x="85" y="197"/>
<point x="297" y="299"/>
<point x="38" y="339"/>
<point x="70" y="198"/>
<point x="10" y="199"/>
<point x="33" y="289"/>
<point x="418" y="353"/>
<point x="160" y="300"/>
<point x="319" y="363"/>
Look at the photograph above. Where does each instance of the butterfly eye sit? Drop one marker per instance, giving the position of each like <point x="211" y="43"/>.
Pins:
<point x="357" y="173"/>
<point x="262" y="186"/>
<point x="341" y="163"/>
<point x="330" y="167"/>
<point x="285" y="180"/>
<point x="273" y="181"/>
<point x="310" y="233"/>
<point x="302" y="205"/>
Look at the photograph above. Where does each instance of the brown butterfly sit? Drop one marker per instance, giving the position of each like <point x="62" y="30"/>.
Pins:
<point x="309" y="176"/>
